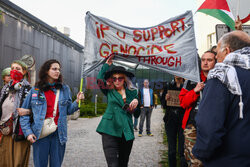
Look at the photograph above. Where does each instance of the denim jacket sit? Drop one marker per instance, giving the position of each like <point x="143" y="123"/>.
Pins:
<point x="37" y="103"/>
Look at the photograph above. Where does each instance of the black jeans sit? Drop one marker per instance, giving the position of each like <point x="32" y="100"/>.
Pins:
<point x="116" y="150"/>
<point x="173" y="130"/>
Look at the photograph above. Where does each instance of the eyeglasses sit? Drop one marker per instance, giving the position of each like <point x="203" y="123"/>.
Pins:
<point x="120" y="79"/>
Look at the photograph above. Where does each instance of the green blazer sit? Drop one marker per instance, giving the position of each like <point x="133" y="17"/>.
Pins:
<point x="115" y="121"/>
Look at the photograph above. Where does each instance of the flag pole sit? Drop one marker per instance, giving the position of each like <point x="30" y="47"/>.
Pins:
<point x="81" y="84"/>
<point x="238" y="8"/>
<point x="79" y="104"/>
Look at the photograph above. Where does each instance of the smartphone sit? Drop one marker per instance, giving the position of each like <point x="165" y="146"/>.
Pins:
<point x="125" y="107"/>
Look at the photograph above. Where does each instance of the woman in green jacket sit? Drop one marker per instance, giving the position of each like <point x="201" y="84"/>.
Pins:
<point x="116" y="126"/>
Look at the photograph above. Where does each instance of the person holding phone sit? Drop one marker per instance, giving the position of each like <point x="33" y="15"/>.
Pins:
<point x="116" y="126"/>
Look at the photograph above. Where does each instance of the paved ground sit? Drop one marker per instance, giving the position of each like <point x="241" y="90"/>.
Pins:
<point x="84" y="147"/>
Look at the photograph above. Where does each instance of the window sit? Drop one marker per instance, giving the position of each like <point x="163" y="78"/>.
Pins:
<point x="211" y="40"/>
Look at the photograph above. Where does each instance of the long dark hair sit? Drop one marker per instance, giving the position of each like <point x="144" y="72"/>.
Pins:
<point x="43" y="74"/>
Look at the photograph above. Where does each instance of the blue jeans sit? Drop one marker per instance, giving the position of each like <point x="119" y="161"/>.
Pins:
<point x="145" y="113"/>
<point x="48" y="148"/>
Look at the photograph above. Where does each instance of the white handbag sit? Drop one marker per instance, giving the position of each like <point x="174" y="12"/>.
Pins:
<point x="49" y="125"/>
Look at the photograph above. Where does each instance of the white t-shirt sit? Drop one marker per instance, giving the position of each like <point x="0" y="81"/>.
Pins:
<point x="146" y="97"/>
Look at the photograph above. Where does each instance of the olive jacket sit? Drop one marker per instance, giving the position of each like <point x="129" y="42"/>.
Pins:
<point x="115" y="121"/>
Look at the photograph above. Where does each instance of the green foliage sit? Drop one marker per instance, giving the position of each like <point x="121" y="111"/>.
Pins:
<point x="164" y="153"/>
<point x="100" y="97"/>
<point x="88" y="96"/>
<point x="88" y="109"/>
<point x="73" y="98"/>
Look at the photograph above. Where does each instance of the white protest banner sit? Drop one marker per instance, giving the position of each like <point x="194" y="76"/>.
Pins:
<point x="169" y="46"/>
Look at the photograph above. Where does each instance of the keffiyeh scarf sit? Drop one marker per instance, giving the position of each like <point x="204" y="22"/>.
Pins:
<point x="227" y="74"/>
<point x="19" y="96"/>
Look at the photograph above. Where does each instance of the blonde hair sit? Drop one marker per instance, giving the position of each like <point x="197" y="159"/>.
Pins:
<point x="129" y="83"/>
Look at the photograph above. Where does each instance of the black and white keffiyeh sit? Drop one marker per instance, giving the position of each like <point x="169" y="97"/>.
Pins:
<point x="19" y="96"/>
<point x="226" y="72"/>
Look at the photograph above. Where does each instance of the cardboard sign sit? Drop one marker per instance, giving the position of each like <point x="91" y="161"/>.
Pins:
<point x="174" y="98"/>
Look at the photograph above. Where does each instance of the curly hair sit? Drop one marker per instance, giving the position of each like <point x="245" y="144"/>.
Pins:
<point x="43" y="74"/>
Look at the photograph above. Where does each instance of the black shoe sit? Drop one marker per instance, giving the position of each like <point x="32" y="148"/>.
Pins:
<point x="150" y="134"/>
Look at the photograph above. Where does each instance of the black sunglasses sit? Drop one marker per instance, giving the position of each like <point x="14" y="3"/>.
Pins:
<point x="119" y="79"/>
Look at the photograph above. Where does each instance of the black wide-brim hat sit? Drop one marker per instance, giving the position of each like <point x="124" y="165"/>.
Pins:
<point x="118" y="69"/>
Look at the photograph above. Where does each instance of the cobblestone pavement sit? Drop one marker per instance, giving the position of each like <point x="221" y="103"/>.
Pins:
<point x="84" y="147"/>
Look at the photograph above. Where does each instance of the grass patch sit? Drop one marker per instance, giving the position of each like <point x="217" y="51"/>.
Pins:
<point x="90" y="116"/>
<point x="164" y="153"/>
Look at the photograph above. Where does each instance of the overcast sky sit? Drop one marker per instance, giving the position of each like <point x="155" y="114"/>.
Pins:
<point x="132" y="13"/>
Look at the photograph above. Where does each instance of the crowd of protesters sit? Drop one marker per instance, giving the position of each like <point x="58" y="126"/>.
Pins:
<point x="216" y="116"/>
<point x="223" y="117"/>
<point x="209" y="124"/>
<point x="23" y="111"/>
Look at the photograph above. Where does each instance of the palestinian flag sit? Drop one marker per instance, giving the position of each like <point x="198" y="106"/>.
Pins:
<point x="220" y="10"/>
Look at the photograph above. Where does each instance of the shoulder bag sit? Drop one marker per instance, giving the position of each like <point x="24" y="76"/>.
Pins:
<point x="49" y="125"/>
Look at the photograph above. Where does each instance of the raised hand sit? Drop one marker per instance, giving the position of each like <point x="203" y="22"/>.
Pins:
<point x="238" y="23"/>
<point x="80" y="96"/>
<point x="199" y="87"/>
<point x="110" y="59"/>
